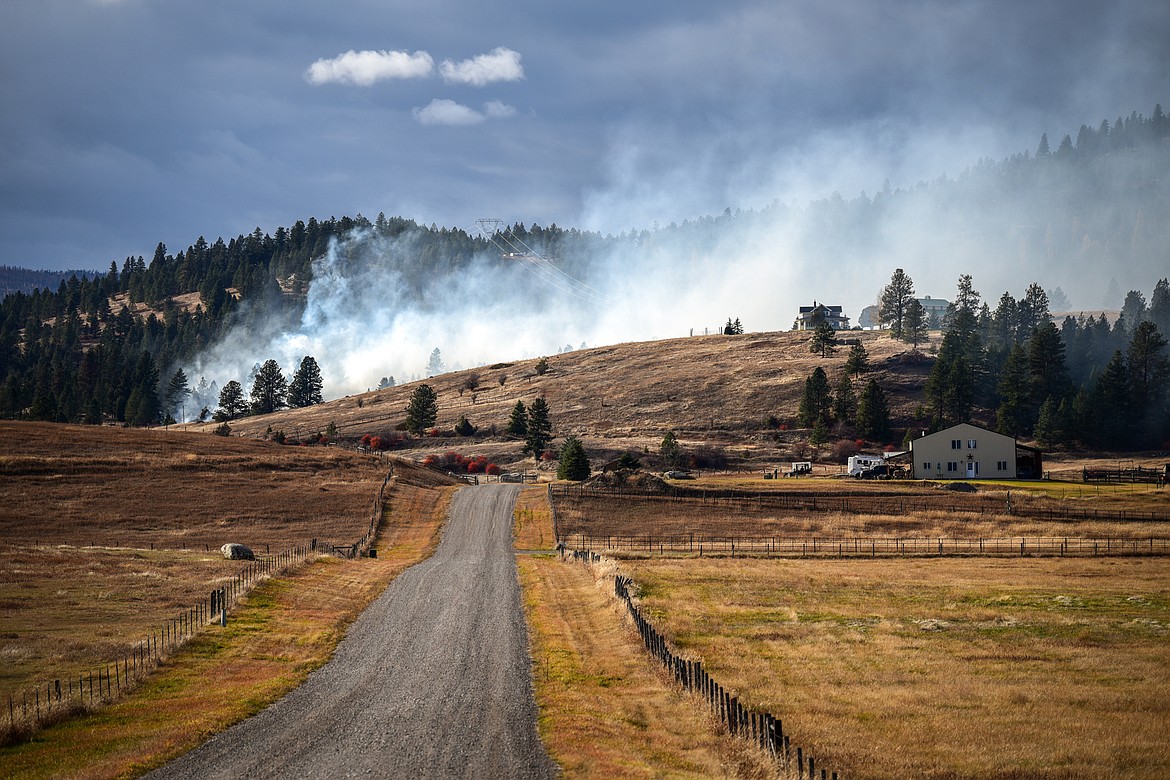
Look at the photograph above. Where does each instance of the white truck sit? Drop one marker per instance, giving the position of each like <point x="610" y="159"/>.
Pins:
<point x="859" y="463"/>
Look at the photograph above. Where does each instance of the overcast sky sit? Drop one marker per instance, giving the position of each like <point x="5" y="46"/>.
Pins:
<point x="128" y="122"/>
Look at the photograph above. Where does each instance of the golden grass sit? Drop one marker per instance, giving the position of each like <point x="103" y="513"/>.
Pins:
<point x="532" y="527"/>
<point x="938" y="668"/>
<point x="281" y="631"/>
<point x="112" y="487"/>
<point x="605" y="709"/>
<point x="601" y="515"/>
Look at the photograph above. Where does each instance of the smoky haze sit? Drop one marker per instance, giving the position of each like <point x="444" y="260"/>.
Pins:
<point x="1074" y="222"/>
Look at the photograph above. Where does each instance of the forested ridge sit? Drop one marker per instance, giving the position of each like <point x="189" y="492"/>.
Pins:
<point x="94" y="349"/>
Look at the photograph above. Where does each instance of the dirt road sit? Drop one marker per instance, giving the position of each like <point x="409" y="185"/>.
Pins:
<point x="432" y="681"/>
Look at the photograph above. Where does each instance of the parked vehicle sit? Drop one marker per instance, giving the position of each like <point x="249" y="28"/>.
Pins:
<point x="875" y="472"/>
<point x="859" y="463"/>
<point x="800" y="467"/>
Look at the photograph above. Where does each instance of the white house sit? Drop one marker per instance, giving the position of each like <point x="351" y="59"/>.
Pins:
<point x="967" y="451"/>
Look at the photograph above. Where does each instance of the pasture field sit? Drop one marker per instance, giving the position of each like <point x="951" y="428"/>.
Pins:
<point x="107" y="533"/>
<point x="279" y="632"/>
<point x="940" y="668"/>
<point x="982" y="514"/>
<point x="605" y="710"/>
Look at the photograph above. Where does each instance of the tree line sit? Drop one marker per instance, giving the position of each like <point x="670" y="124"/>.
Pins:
<point x="1085" y="381"/>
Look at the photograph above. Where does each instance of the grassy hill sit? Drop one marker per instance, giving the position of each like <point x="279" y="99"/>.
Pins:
<point x="716" y="391"/>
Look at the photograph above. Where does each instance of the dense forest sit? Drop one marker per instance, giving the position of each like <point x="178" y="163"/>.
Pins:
<point x="102" y="348"/>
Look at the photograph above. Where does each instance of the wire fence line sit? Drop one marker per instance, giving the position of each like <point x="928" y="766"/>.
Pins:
<point x="866" y="546"/>
<point x="762" y="729"/>
<point x="881" y="504"/>
<point x="52" y="701"/>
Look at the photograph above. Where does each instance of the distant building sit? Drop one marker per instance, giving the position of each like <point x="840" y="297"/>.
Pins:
<point x="810" y="315"/>
<point x="966" y="451"/>
<point x="934" y="310"/>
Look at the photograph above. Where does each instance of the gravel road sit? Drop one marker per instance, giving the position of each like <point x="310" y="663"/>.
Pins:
<point x="431" y="681"/>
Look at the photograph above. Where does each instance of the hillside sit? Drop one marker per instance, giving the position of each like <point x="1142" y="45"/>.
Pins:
<point x="711" y="390"/>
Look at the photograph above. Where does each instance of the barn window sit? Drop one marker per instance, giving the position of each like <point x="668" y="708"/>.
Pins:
<point x="926" y="466"/>
<point x="956" y="444"/>
<point x="970" y="444"/>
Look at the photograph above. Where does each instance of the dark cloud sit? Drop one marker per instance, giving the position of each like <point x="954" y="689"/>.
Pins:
<point x="126" y="123"/>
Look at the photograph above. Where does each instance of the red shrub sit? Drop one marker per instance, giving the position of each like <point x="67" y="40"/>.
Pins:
<point x="491" y="469"/>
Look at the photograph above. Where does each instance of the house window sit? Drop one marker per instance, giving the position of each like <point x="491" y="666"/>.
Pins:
<point x="956" y="444"/>
<point x="1001" y="465"/>
<point x="926" y="466"/>
<point x="970" y="444"/>
<point x="952" y="466"/>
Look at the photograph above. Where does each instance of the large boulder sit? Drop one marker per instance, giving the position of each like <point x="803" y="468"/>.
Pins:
<point x="237" y="552"/>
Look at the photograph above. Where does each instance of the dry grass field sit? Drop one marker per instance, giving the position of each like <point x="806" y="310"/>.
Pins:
<point x="280" y="632"/>
<point x="956" y="516"/>
<point x="107" y="533"/>
<point x="113" y="487"/>
<point x="952" y="668"/>
<point x="604" y="710"/>
<point x="713" y="390"/>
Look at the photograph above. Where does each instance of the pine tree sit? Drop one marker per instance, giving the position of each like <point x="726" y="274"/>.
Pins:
<point x="824" y="339"/>
<point x="1013" y="416"/>
<point x="914" y="323"/>
<point x="435" y="364"/>
<point x="177" y="393"/>
<point x="873" y="413"/>
<point x="858" y="361"/>
<point x="270" y="389"/>
<point x="845" y="402"/>
<point x="231" y="402"/>
<point x="817" y="399"/>
<point x="423" y="409"/>
<point x="518" y="422"/>
<point x="1111" y="404"/>
<point x="539" y="432"/>
<point x="1049" y="429"/>
<point x="896" y="296"/>
<point x="306" y="385"/>
<point x="574" y="463"/>
<point x="671" y="451"/>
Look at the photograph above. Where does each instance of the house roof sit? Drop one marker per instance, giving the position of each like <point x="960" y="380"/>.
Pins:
<point x="978" y="427"/>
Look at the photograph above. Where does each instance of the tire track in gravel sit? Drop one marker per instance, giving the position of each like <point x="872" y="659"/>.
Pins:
<point x="433" y="680"/>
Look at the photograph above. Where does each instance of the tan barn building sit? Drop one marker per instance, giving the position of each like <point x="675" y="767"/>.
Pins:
<point x="967" y="451"/>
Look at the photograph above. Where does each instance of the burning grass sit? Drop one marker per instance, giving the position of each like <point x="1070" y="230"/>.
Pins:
<point x="939" y="668"/>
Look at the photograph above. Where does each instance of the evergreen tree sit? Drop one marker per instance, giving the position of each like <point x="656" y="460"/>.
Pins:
<point x="147" y="409"/>
<point x="1159" y="312"/>
<point x="671" y="451"/>
<point x="1050" y="430"/>
<point x="824" y="340"/>
<point x="518" y="422"/>
<point x="270" y="389"/>
<point x="1048" y="375"/>
<point x="574" y="463"/>
<point x="464" y="427"/>
<point x="817" y="399"/>
<point x="896" y="296"/>
<point x="845" y="401"/>
<point x="873" y="413"/>
<point x="1111" y="404"/>
<point x="177" y="393"/>
<point x="231" y="402"/>
<point x="858" y="361"/>
<point x="423" y="409"/>
<point x="306" y="385"/>
<point x="435" y="364"/>
<point x="914" y="323"/>
<point x="539" y="432"/>
<point x="1133" y="311"/>
<point x="1148" y="373"/>
<point x="1013" y="417"/>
